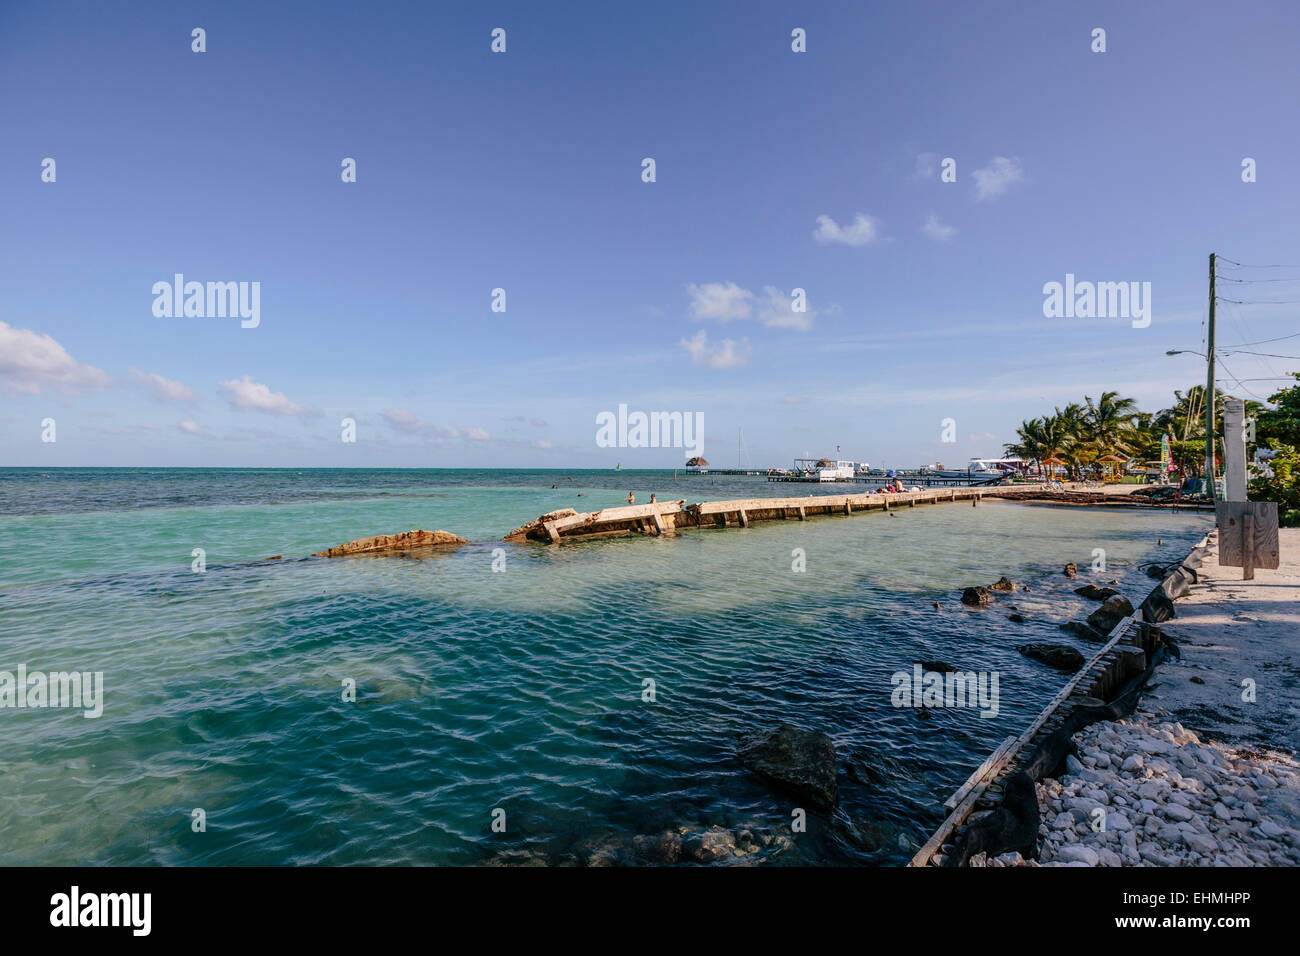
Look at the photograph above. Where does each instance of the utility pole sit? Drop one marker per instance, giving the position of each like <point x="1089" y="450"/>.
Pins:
<point x="1209" y="390"/>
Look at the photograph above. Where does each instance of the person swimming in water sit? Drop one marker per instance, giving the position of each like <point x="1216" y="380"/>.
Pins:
<point x="631" y="498"/>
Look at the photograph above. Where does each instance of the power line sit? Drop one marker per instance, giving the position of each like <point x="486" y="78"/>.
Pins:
<point x="1230" y="279"/>
<point x="1266" y="341"/>
<point x="1242" y="265"/>
<point x="1260" y="301"/>
<point x="1228" y="372"/>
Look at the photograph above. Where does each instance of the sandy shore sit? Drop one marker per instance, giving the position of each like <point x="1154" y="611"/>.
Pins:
<point x="1205" y="773"/>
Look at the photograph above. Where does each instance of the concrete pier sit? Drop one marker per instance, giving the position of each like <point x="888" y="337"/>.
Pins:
<point x="670" y="517"/>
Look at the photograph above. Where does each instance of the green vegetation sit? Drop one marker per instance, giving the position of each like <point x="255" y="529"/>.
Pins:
<point x="1080" y="434"/>
<point x="1279" y="429"/>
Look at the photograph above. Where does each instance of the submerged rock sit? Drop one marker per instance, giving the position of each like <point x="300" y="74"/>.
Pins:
<point x="1085" y="631"/>
<point x="799" y="761"/>
<point x="1016" y="618"/>
<point x="1094" y="593"/>
<point x="1114" y="610"/>
<point x="710" y="845"/>
<point x="977" y="597"/>
<point x="393" y="542"/>
<point x="1003" y="584"/>
<point x="1071" y="570"/>
<point x="939" y="666"/>
<point x="1057" y="656"/>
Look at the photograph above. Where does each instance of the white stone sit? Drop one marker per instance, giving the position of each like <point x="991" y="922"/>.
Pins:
<point x="1078" y="853"/>
<point x="1201" y="843"/>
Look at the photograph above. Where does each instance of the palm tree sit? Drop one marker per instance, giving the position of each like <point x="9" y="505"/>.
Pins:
<point x="1067" y="435"/>
<point x="1032" y="444"/>
<point x="1109" y="422"/>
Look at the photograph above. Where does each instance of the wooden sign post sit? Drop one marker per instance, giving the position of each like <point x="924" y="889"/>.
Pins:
<point x="1247" y="535"/>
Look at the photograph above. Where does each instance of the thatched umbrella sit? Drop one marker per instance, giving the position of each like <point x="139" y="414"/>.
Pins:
<point x="697" y="462"/>
<point x="825" y="463"/>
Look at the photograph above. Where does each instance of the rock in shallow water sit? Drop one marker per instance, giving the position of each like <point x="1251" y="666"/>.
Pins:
<point x="393" y="542"/>
<point x="1094" y="593"/>
<point x="1059" y="656"/>
<point x="1079" y="629"/>
<point x="939" y="666"/>
<point x="799" y="761"/>
<point x="1114" y="610"/>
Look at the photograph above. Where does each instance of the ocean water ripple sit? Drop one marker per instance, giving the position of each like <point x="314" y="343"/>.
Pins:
<point x="519" y="691"/>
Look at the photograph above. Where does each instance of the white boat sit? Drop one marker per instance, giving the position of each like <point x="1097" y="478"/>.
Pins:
<point x="824" y="469"/>
<point x="995" y="466"/>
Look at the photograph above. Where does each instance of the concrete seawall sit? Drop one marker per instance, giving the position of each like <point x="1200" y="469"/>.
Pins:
<point x="1202" y="771"/>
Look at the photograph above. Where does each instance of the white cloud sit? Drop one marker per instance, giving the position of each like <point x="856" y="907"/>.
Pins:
<point x="163" y="389"/>
<point x="249" y="396"/>
<point x="404" y="421"/>
<point x="720" y="301"/>
<point x="864" y="229"/>
<point x="927" y="166"/>
<point x="996" y="178"/>
<point x="728" y="353"/>
<point x="726" y="302"/>
<point x="937" y="230"/>
<point x="30" y="359"/>
<point x="190" y="428"/>
<point x="777" y="311"/>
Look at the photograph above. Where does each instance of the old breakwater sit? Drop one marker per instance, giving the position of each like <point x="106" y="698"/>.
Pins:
<point x="668" y="517"/>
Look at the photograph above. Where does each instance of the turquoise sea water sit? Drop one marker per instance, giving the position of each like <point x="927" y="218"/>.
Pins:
<point x="518" y="690"/>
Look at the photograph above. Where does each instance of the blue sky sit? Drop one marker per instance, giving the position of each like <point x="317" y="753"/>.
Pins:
<point x="523" y="171"/>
